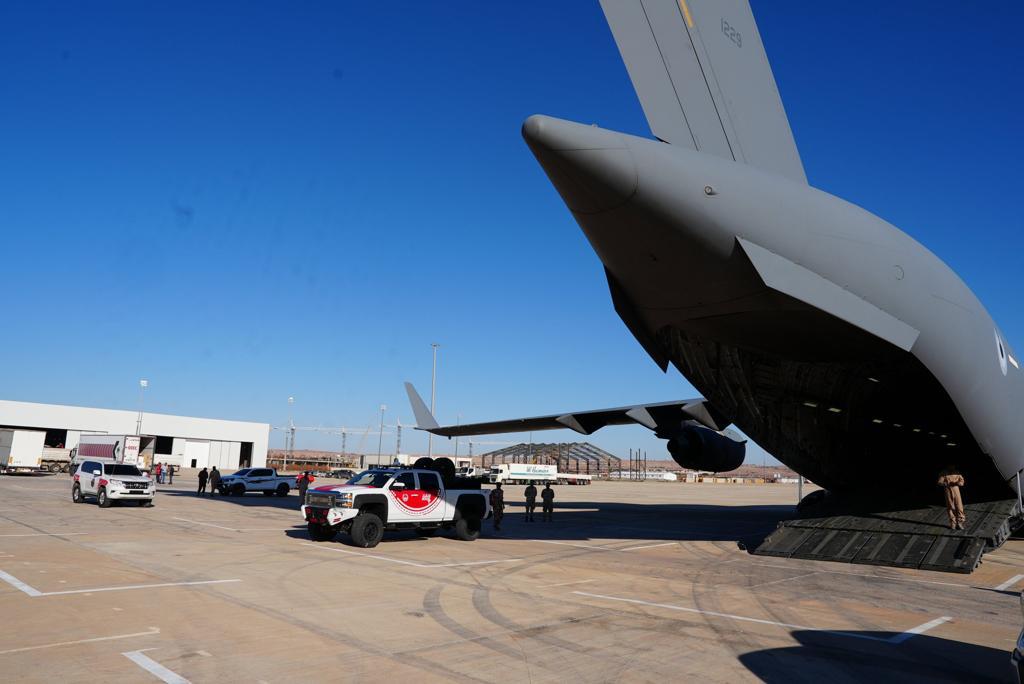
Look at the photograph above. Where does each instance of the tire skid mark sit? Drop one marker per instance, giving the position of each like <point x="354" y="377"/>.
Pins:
<point x="432" y="607"/>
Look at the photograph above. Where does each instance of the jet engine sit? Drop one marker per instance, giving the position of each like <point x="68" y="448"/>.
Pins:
<point x="698" y="447"/>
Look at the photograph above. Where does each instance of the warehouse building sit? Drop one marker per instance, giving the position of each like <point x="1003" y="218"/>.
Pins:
<point x="180" y="440"/>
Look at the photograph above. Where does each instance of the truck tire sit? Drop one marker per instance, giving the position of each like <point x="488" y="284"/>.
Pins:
<point x="238" y="490"/>
<point x="102" y="499"/>
<point x="283" y="489"/>
<point x="367" y="530"/>
<point x="76" y="493"/>
<point x="467" y="528"/>
<point x="321" y="533"/>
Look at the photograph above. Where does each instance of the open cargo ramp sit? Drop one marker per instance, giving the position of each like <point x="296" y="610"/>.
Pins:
<point x="904" y="538"/>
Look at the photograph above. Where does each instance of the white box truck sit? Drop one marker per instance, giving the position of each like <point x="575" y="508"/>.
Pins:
<point x="118" y="448"/>
<point x="523" y="473"/>
<point x="21" y="450"/>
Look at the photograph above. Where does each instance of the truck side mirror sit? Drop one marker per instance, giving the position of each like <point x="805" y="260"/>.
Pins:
<point x="398" y="485"/>
<point x="97" y="472"/>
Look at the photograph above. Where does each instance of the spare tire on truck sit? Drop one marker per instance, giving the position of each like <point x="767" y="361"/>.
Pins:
<point x="424" y="462"/>
<point x="445" y="467"/>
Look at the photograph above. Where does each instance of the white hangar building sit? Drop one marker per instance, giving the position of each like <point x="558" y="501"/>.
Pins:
<point x="188" y="442"/>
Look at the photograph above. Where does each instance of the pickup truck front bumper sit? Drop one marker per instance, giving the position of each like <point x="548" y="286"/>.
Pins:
<point x="328" y="516"/>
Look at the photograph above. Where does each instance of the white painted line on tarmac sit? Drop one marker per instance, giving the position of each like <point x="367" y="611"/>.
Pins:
<point x="154" y="668"/>
<point x="863" y="575"/>
<point x="46" y="534"/>
<point x="565" y="584"/>
<point x="1009" y="583"/>
<point x="578" y="546"/>
<point x="138" y="586"/>
<point x="920" y="629"/>
<point x="895" y="639"/>
<point x="412" y="563"/>
<point x="240" y="529"/>
<point x="19" y="585"/>
<point x="196" y="522"/>
<point x="151" y="632"/>
<point x="784" y="579"/>
<point x="649" y="546"/>
<point x="33" y="592"/>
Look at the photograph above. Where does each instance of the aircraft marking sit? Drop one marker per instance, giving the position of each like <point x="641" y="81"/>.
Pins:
<point x="686" y="13"/>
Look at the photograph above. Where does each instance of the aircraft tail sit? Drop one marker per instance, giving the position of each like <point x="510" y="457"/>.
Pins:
<point x="424" y="418"/>
<point x="703" y="79"/>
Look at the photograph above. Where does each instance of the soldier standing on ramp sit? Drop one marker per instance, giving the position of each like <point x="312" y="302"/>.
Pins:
<point x="531" y="501"/>
<point x="498" y="505"/>
<point x="203" y="475"/>
<point x="951" y="481"/>
<point x="548" y="508"/>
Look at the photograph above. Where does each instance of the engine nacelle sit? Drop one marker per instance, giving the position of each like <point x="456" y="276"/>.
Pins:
<point x="700" y="448"/>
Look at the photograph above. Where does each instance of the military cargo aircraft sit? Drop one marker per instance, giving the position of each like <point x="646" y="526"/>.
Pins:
<point x="829" y="336"/>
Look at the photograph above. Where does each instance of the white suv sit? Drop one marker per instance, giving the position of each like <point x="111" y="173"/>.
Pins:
<point x="109" y="481"/>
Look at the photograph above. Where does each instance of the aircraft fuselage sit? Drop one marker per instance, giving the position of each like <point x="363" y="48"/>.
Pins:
<point x="833" y="339"/>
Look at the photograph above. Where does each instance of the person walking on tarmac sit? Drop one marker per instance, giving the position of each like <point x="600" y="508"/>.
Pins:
<point x="214" y="480"/>
<point x="547" y="495"/>
<point x="158" y="471"/>
<point x="304" y="480"/>
<point x="497" y="505"/>
<point x="951" y="481"/>
<point x="531" y="501"/>
<point x="203" y="477"/>
<point x="170" y="473"/>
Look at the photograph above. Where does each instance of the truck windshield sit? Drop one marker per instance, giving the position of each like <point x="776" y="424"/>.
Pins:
<point x="372" y="478"/>
<point x="242" y="473"/>
<point x="120" y="469"/>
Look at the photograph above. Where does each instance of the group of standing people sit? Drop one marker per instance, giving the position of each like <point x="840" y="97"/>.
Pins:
<point x="164" y="473"/>
<point x="547" y="496"/>
<point x="212" y="476"/>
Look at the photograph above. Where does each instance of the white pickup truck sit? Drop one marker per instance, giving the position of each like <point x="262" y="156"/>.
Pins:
<point x="394" y="499"/>
<point x="247" y="480"/>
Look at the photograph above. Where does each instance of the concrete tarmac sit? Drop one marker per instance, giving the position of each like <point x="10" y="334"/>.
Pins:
<point x="632" y="582"/>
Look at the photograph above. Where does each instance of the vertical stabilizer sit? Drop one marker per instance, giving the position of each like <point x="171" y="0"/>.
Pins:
<point x="703" y="79"/>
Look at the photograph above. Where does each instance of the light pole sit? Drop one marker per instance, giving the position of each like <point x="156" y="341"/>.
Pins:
<point x="143" y="384"/>
<point x="380" y="433"/>
<point x="290" y="436"/>
<point x="433" y="394"/>
<point x="458" y="421"/>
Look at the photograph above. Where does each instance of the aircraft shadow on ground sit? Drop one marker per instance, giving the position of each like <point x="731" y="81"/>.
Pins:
<point x="585" y="521"/>
<point x="919" y="658"/>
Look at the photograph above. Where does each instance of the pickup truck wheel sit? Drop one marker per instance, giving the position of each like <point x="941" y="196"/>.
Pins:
<point x="102" y="499"/>
<point x="76" y="494"/>
<point x="238" y="490"/>
<point x="367" y="530"/>
<point x="467" y="528"/>
<point x="426" y="531"/>
<point x="321" y="533"/>
<point x="283" y="489"/>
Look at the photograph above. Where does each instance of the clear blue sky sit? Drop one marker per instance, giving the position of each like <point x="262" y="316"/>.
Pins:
<point x="242" y="202"/>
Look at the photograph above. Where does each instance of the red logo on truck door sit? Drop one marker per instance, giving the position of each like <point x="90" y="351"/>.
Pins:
<point x="416" y="501"/>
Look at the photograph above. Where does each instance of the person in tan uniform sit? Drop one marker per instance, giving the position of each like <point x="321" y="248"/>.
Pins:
<point x="951" y="481"/>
